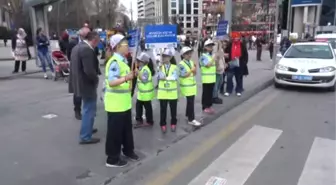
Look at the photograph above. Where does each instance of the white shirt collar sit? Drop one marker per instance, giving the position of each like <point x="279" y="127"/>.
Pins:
<point x="88" y="44"/>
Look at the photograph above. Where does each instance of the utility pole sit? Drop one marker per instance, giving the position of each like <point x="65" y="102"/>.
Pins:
<point x="228" y="13"/>
<point x="275" y="32"/>
<point x="131" y="15"/>
<point x="165" y="13"/>
<point x="289" y="18"/>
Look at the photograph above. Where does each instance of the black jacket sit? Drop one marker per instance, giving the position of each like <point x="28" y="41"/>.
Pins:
<point x="243" y="60"/>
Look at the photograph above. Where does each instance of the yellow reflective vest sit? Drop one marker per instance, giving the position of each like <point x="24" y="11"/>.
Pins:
<point x="118" y="98"/>
<point x="167" y="89"/>
<point x="208" y="73"/>
<point x="188" y="84"/>
<point x="145" y="89"/>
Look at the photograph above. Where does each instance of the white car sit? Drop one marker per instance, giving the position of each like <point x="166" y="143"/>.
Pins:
<point x="307" y="64"/>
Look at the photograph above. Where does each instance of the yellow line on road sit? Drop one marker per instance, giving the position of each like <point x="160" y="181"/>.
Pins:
<point x="180" y="165"/>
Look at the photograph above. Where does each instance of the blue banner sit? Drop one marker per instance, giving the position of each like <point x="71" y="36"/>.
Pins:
<point x="134" y="37"/>
<point x="306" y="2"/>
<point x="222" y="29"/>
<point x="161" y="36"/>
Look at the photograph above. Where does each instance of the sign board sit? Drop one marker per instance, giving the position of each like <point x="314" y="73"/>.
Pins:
<point x="134" y="38"/>
<point x="160" y="36"/>
<point x="222" y="29"/>
<point x="297" y="3"/>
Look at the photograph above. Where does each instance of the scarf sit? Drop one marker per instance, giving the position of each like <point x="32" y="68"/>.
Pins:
<point x="236" y="49"/>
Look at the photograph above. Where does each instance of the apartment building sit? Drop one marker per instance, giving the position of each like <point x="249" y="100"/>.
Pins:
<point x="141" y="8"/>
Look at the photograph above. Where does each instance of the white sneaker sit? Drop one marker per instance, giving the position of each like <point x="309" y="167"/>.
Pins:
<point x="45" y="76"/>
<point x="238" y="94"/>
<point x="143" y="116"/>
<point x="226" y="94"/>
<point x="195" y="123"/>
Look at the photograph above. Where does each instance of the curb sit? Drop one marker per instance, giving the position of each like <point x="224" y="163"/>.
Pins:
<point x="208" y="120"/>
<point x="11" y="77"/>
<point x="10" y="59"/>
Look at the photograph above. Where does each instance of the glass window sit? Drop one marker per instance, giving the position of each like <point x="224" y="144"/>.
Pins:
<point x="173" y="5"/>
<point x="328" y="12"/>
<point x="188" y="25"/>
<point x="195" y="5"/>
<point x="195" y="11"/>
<point x="188" y="18"/>
<point x="309" y="51"/>
<point x="188" y="6"/>
<point x="181" y="6"/>
<point x="173" y="11"/>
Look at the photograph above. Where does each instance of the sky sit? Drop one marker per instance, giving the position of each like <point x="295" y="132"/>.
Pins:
<point x="127" y="4"/>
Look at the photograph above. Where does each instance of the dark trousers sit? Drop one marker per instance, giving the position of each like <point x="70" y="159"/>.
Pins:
<point x="134" y="82"/>
<point x="148" y="108"/>
<point x="190" y="109"/>
<point x="17" y="66"/>
<point x="271" y="54"/>
<point x="119" y="134"/>
<point x="163" y="111"/>
<point x="259" y="49"/>
<point x="221" y="90"/>
<point x="77" y="101"/>
<point x="207" y="95"/>
<point x="236" y="73"/>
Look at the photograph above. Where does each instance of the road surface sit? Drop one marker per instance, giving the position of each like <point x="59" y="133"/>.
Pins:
<point x="278" y="137"/>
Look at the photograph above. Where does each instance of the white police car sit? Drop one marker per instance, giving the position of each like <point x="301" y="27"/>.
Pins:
<point x="308" y="64"/>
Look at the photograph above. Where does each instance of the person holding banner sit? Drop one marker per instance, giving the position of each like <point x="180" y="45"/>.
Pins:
<point x="167" y="90"/>
<point x="145" y="93"/>
<point x="188" y="83"/>
<point x="208" y="72"/>
<point x="118" y="105"/>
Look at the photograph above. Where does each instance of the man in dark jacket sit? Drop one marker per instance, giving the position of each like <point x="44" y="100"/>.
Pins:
<point x="84" y="81"/>
<point x="77" y="100"/>
<point x="259" y="43"/>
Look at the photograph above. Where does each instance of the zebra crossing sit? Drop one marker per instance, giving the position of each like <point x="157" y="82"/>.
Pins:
<point x="235" y="165"/>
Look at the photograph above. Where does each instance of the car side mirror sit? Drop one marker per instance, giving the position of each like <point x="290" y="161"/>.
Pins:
<point x="279" y="55"/>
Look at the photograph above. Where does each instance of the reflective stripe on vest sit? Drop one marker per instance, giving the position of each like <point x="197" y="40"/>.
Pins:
<point x="145" y="90"/>
<point x="208" y="73"/>
<point x="188" y="84"/>
<point x="167" y="90"/>
<point x="118" y="98"/>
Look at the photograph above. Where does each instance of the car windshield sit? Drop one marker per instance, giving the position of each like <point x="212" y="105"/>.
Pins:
<point x="309" y="51"/>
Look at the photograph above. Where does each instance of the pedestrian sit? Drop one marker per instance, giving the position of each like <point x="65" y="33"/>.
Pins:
<point x="259" y="43"/>
<point x="271" y="48"/>
<point x="5" y="41"/>
<point x="167" y="90"/>
<point x="118" y="105"/>
<point x="43" y="43"/>
<point x="220" y="67"/>
<point x="84" y="80"/>
<point x="20" y="50"/>
<point x="145" y="93"/>
<point x="64" y="42"/>
<point x="284" y="45"/>
<point x="188" y="83"/>
<point x="224" y="46"/>
<point x="77" y="100"/>
<point x="208" y="73"/>
<point x="237" y="64"/>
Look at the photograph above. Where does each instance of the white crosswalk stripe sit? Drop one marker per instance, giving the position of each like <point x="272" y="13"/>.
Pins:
<point x="320" y="165"/>
<point x="238" y="162"/>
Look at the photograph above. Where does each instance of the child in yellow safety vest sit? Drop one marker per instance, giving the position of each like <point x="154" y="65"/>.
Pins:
<point x="145" y="92"/>
<point x="188" y="84"/>
<point x="167" y="90"/>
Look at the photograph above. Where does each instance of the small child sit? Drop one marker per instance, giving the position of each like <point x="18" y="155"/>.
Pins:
<point x="145" y="92"/>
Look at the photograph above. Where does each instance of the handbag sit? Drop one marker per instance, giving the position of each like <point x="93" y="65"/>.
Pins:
<point x="234" y="63"/>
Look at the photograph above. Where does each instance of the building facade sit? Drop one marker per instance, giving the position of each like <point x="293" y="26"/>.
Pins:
<point x="141" y="8"/>
<point x="5" y="17"/>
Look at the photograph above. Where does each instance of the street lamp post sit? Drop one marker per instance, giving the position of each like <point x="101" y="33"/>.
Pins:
<point x="275" y="32"/>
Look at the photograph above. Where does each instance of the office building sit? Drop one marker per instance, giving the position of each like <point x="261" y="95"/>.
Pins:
<point x="141" y="8"/>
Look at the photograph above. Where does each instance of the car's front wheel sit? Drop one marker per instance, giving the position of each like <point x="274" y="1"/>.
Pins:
<point x="332" y="88"/>
<point x="276" y="85"/>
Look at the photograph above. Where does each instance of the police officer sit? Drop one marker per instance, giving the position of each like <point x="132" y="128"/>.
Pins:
<point x="145" y="92"/>
<point x="208" y="72"/>
<point x="188" y="83"/>
<point x="167" y="90"/>
<point x="118" y="105"/>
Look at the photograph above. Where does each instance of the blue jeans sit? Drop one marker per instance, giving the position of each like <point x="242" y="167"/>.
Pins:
<point x="234" y="72"/>
<point x="45" y="58"/>
<point x="219" y="81"/>
<point x="88" y="116"/>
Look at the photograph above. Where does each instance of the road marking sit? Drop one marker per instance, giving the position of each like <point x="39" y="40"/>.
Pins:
<point x="49" y="116"/>
<point x="177" y="167"/>
<point x="238" y="162"/>
<point x="320" y="165"/>
<point x="216" y="181"/>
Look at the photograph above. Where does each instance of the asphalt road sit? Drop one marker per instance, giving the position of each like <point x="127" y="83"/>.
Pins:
<point x="278" y="137"/>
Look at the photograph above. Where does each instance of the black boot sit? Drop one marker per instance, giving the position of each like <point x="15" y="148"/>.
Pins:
<point x="217" y="101"/>
<point x="78" y="115"/>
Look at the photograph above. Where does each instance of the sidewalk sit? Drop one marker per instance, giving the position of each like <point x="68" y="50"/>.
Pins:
<point x="36" y="150"/>
<point x="7" y="66"/>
